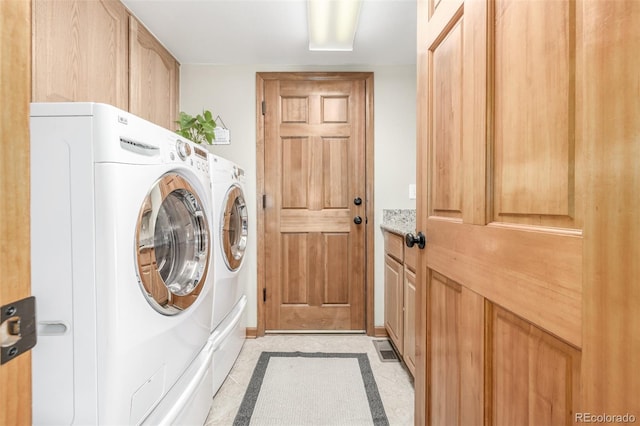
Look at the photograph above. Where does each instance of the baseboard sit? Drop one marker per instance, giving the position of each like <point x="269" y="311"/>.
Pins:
<point x="251" y="333"/>
<point x="380" y="332"/>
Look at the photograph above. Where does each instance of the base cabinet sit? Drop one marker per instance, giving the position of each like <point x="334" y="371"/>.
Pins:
<point x="409" y="354"/>
<point x="399" y="303"/>
<point x="393" y="301"/>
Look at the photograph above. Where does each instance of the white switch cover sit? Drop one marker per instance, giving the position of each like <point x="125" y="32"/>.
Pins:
<point x="412" y="191"/>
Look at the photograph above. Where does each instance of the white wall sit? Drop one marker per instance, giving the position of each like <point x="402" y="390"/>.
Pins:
<point x="229" y="91"/>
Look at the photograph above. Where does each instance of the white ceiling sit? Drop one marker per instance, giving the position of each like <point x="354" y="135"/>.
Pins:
<point x="274" y="32"/>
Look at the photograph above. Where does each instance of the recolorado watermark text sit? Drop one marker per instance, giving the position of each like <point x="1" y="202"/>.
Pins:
<point x="605" y="418"/>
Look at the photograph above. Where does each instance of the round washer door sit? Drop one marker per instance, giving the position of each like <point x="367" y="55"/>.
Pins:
<point x="234" y="227"/>
<point x="172" y="245"/>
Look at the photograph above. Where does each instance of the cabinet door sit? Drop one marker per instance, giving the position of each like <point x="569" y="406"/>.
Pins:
<point x="410" y="319"/>
<point x="393" y="300"/>
<point x="153" y="78"/>
<point x="80" y="52"/>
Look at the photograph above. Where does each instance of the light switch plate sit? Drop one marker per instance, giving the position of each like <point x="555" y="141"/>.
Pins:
<point x="412" y="191"/>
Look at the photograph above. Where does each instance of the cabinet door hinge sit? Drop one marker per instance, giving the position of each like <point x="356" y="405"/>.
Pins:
<point x="264" y="294"/>
<point x="264" y="107"/>
<point x="264" y="201"/>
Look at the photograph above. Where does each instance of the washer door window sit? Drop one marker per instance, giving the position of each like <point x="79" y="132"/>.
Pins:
<point x="172" y="245"/>
<point x="234" y="228"/>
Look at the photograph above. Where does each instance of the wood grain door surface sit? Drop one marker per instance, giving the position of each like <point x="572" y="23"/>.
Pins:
<point x="524" y="305"/>
<point x="15" y="266"/>
<point x="314" y="169"/>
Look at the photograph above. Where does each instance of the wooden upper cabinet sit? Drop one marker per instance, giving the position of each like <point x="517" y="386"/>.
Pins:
<point x="80" y="51"/>
<point x="153" y="78"/>
<point x="95" y="51"/>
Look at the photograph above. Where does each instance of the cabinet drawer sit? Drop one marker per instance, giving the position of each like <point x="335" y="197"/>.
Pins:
<point x="394" y="246"/>
<point x="411" y="257"/>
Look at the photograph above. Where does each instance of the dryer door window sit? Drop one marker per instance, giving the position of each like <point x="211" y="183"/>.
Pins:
<point x="172" y="245"/>
<point x="234" y="228"/>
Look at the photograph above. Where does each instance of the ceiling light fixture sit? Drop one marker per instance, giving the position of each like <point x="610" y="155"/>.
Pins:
<point x="332" y="24"/>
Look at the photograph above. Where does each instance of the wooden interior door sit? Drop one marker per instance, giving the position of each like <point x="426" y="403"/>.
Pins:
<point x="314" y="156"/>
<point x="520" y="290"/>
<point x="15" y="265"/>
<point x="501" y="207"/>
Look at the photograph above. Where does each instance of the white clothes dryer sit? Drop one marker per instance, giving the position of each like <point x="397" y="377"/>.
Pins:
<point x="229" y="299"/>
<point x="121" y="269"/>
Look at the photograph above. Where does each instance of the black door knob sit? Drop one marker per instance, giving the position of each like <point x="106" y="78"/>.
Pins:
<point x="357" y="201"/>
<point x="357" y="220"/>
<point x="419" y="239"/>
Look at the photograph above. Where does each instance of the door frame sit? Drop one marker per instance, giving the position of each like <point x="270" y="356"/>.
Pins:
<point x="261" y="77"/>
<point x="15" y="241"/>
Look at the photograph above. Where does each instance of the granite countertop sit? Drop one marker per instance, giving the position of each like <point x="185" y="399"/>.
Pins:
<point x="399" y="222"/>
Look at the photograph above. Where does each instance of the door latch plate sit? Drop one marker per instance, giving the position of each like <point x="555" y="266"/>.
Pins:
<point x="17" y="328"/>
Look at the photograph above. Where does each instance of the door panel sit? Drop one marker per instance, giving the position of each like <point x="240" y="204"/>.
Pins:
<point x="498" y="204"/>
<point x="446" y="167"/>
<point x="536" y="375"/>
<point x="15" y="259"/>
<point x="534" y="144"/>
<point x="336" y="248"/>
<point x="314" y="152"/>
<point x="445" y="360"/>
<point x="549" y="224"/>
<point x="456" y="330"/>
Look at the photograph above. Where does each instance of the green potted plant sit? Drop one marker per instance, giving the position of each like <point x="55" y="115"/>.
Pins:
<point x="199" y="129"/>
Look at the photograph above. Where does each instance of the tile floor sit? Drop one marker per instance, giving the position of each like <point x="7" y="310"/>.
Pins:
<point x="394" y="382"/>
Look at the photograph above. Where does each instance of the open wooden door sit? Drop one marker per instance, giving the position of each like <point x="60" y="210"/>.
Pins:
<point x="15" y="273"/>
<point x="525" y="311"/>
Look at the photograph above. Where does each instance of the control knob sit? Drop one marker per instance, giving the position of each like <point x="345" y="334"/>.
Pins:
<point x="184" y="149"/>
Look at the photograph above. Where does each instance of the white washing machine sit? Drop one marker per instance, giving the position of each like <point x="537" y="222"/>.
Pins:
<point x="121" y="269"/>
<point x="229" y="298"/>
